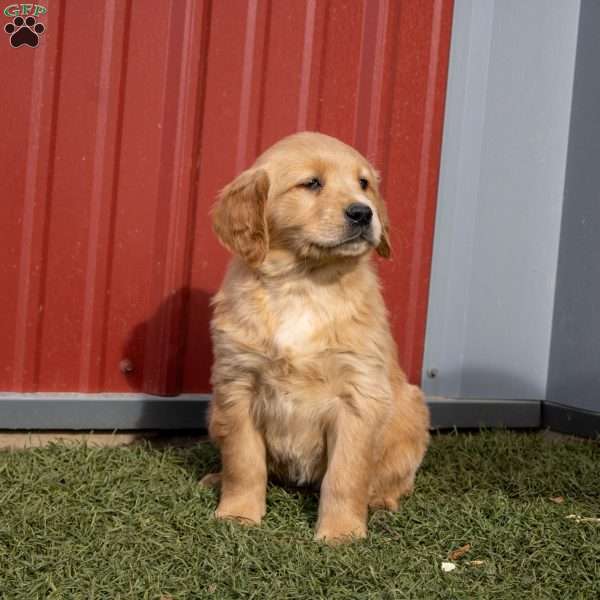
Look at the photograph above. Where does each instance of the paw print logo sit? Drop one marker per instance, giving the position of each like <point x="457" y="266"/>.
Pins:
<point x="24" y="31"/>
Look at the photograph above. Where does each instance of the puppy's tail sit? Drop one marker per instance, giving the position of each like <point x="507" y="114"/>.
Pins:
<point x="212" y="480"/>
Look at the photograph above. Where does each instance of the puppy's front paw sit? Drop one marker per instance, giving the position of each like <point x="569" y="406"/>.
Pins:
<point x="341" y="532"/>
<point x="243" y="511"/>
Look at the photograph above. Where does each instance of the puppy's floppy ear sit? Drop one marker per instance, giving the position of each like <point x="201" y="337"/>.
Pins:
<point x="239" y="218"/>
<point x="384" y="248"/>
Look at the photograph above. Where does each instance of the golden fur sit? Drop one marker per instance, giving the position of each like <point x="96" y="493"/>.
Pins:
<point x="306" y="381"/>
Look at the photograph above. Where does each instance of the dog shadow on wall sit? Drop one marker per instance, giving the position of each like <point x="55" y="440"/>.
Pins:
<point x="170" y="354"/>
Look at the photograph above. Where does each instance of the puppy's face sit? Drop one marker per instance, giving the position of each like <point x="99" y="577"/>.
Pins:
<point x="311" y="195"/>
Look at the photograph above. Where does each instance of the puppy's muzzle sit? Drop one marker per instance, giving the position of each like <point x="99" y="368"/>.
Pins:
<point x="358" y="214"/>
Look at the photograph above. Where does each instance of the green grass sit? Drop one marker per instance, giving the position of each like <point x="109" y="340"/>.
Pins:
<point x="85" y="522"/>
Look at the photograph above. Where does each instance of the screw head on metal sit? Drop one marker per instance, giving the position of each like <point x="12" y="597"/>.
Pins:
<point x="432" y="373"/>
<point x="126" y="366"/>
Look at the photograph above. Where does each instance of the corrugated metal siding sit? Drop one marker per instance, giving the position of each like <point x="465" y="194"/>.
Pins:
<point x="129" y="116"/>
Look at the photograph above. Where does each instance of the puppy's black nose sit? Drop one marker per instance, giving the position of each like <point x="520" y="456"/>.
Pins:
<point x="359" y="214"/>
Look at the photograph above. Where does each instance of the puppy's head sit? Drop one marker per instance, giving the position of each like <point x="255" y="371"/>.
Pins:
<point x="310" y="195"/>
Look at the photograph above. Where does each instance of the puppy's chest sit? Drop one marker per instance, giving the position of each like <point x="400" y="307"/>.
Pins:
<point x="300" y="360"/>
<point x="296" y="327"/>
<point x="297" y="388"/>
<point x="314" y="347"/>
<point x="302" y="324"/>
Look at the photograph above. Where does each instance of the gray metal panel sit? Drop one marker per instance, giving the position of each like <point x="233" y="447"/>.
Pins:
<point x="188" y="411"/>
<point x="574" y="373"/>
<point x="500" y="198"/>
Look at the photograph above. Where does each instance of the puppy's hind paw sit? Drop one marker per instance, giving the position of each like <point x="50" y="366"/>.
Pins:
<point x="382" y="503"/>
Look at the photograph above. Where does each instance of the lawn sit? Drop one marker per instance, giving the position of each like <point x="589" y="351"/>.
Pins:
<point x="131" y="522"/>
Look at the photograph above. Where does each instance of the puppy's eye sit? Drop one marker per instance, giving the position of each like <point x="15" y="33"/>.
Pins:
<point x="364" y="183"/>
<point x="314" y="184"/>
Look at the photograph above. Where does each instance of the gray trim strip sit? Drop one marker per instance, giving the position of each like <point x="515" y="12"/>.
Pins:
<point x="471" y="414"/>
<point x="188" y="411"/>
<point x="102" y="411"/>
<point x="574" y="421"/>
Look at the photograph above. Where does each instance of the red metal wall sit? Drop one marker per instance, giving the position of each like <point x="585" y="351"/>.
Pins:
<point x="122" y="124"/>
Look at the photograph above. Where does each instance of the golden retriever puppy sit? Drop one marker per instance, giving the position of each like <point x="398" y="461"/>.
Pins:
<point x="306" y="380"/>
